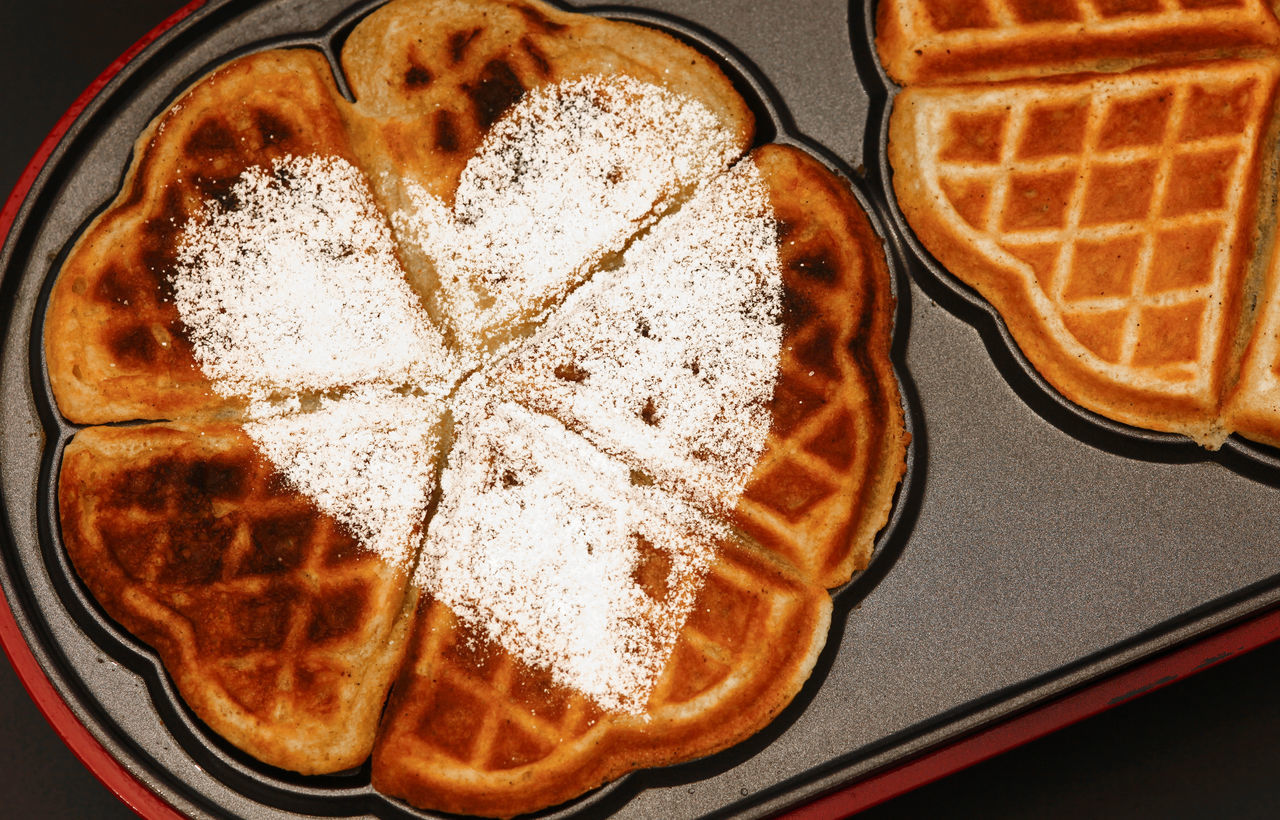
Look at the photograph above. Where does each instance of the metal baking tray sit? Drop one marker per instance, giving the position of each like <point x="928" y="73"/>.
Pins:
<point x="1034" y="549"/>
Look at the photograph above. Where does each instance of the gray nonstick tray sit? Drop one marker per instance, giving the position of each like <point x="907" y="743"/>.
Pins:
<point x="1034" y="547"/>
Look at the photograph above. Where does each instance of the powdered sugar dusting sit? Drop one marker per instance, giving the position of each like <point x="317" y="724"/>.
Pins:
<point x="579" y="550"/>
<point x="294" y="286"/>
<point x="671" y="361"/>
<point x="562" y="180"/>
<point x="665" y="368"/>
<point x="541" y="542"/>
<point x="291" y="292"/>
<point x="368" y="459"/>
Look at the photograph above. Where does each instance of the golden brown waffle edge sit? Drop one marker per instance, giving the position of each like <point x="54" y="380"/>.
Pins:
<point x="279" y="631"/>
<point x="115" y="346"/>
<point x="940" y="41"/>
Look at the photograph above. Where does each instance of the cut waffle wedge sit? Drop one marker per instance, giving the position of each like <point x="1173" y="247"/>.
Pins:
<point x="473" y="731"/>
<point x="965" y="40"/>
<point x="1109" y="218"/>
<point x="432" y="79"/>
<point x="280" y="631"/>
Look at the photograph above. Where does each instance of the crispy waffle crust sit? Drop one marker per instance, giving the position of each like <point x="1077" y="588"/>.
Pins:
<point x="470" y="730"/>
<point x="1109" y="218"/>
<point x="116" y="348"/>
<point x="1112" y="219"/>
<point x="927" y="41"/>
<point x="278" y="631"/>
<point x="825" y="482"/>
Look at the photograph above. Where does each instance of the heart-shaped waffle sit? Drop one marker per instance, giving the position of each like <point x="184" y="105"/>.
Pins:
<point x="1109" y="219"/>
<point x="624" y="483"/>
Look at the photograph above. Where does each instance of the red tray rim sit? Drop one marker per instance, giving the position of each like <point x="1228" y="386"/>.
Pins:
<point x="133" y="792"/>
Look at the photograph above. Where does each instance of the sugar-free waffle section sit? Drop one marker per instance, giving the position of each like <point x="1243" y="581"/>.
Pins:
<point x="1110" y="220"/>
<point x="1108" y="285"/>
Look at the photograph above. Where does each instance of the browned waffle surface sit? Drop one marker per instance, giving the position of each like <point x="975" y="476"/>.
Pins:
<point x="950" y="40"/>
<point x="435" y="75"/>
<point x="1109" y="218"/>
<point x="116" y="346"/>
<point x="469" y="730"/>
<point x="825" y="482"/>
<point x="1252" y="406"/>
<point x="279" y="631"/>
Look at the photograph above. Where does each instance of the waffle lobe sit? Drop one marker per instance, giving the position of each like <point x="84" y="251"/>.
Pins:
<point x="279" y="631"/>
<point x="1120" y="221"/>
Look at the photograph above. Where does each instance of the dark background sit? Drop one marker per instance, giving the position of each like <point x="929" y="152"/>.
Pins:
<point x="1208" y="746"/>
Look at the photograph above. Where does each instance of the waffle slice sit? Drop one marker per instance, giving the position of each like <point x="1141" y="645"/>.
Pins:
<point x="278" y="630"/>
<point x="295" y="289"/>
<point x="815" y="438"/>
<point x="367" y="458"/>
<point x="450" y="94"/>
<point x="1252" y="405"/>
<point x="115" y="344"/>
<point x="946" y="41"/>
<point x="552" y="549"/>
<point x="1109" y="219"/>
<point x="472" y="730"/>
<point x="668" y="362"/>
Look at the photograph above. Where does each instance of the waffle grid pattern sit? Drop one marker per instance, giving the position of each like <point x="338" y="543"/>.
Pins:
<point x="1099" y="262"/>
<point x="323" y="567"/>
<point x="465" y="709"/>
<point x="800" y="500"/>
<point x="1063" y="16"/>
<point x="476" y="691"/>
<point x="233" y="578"/>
